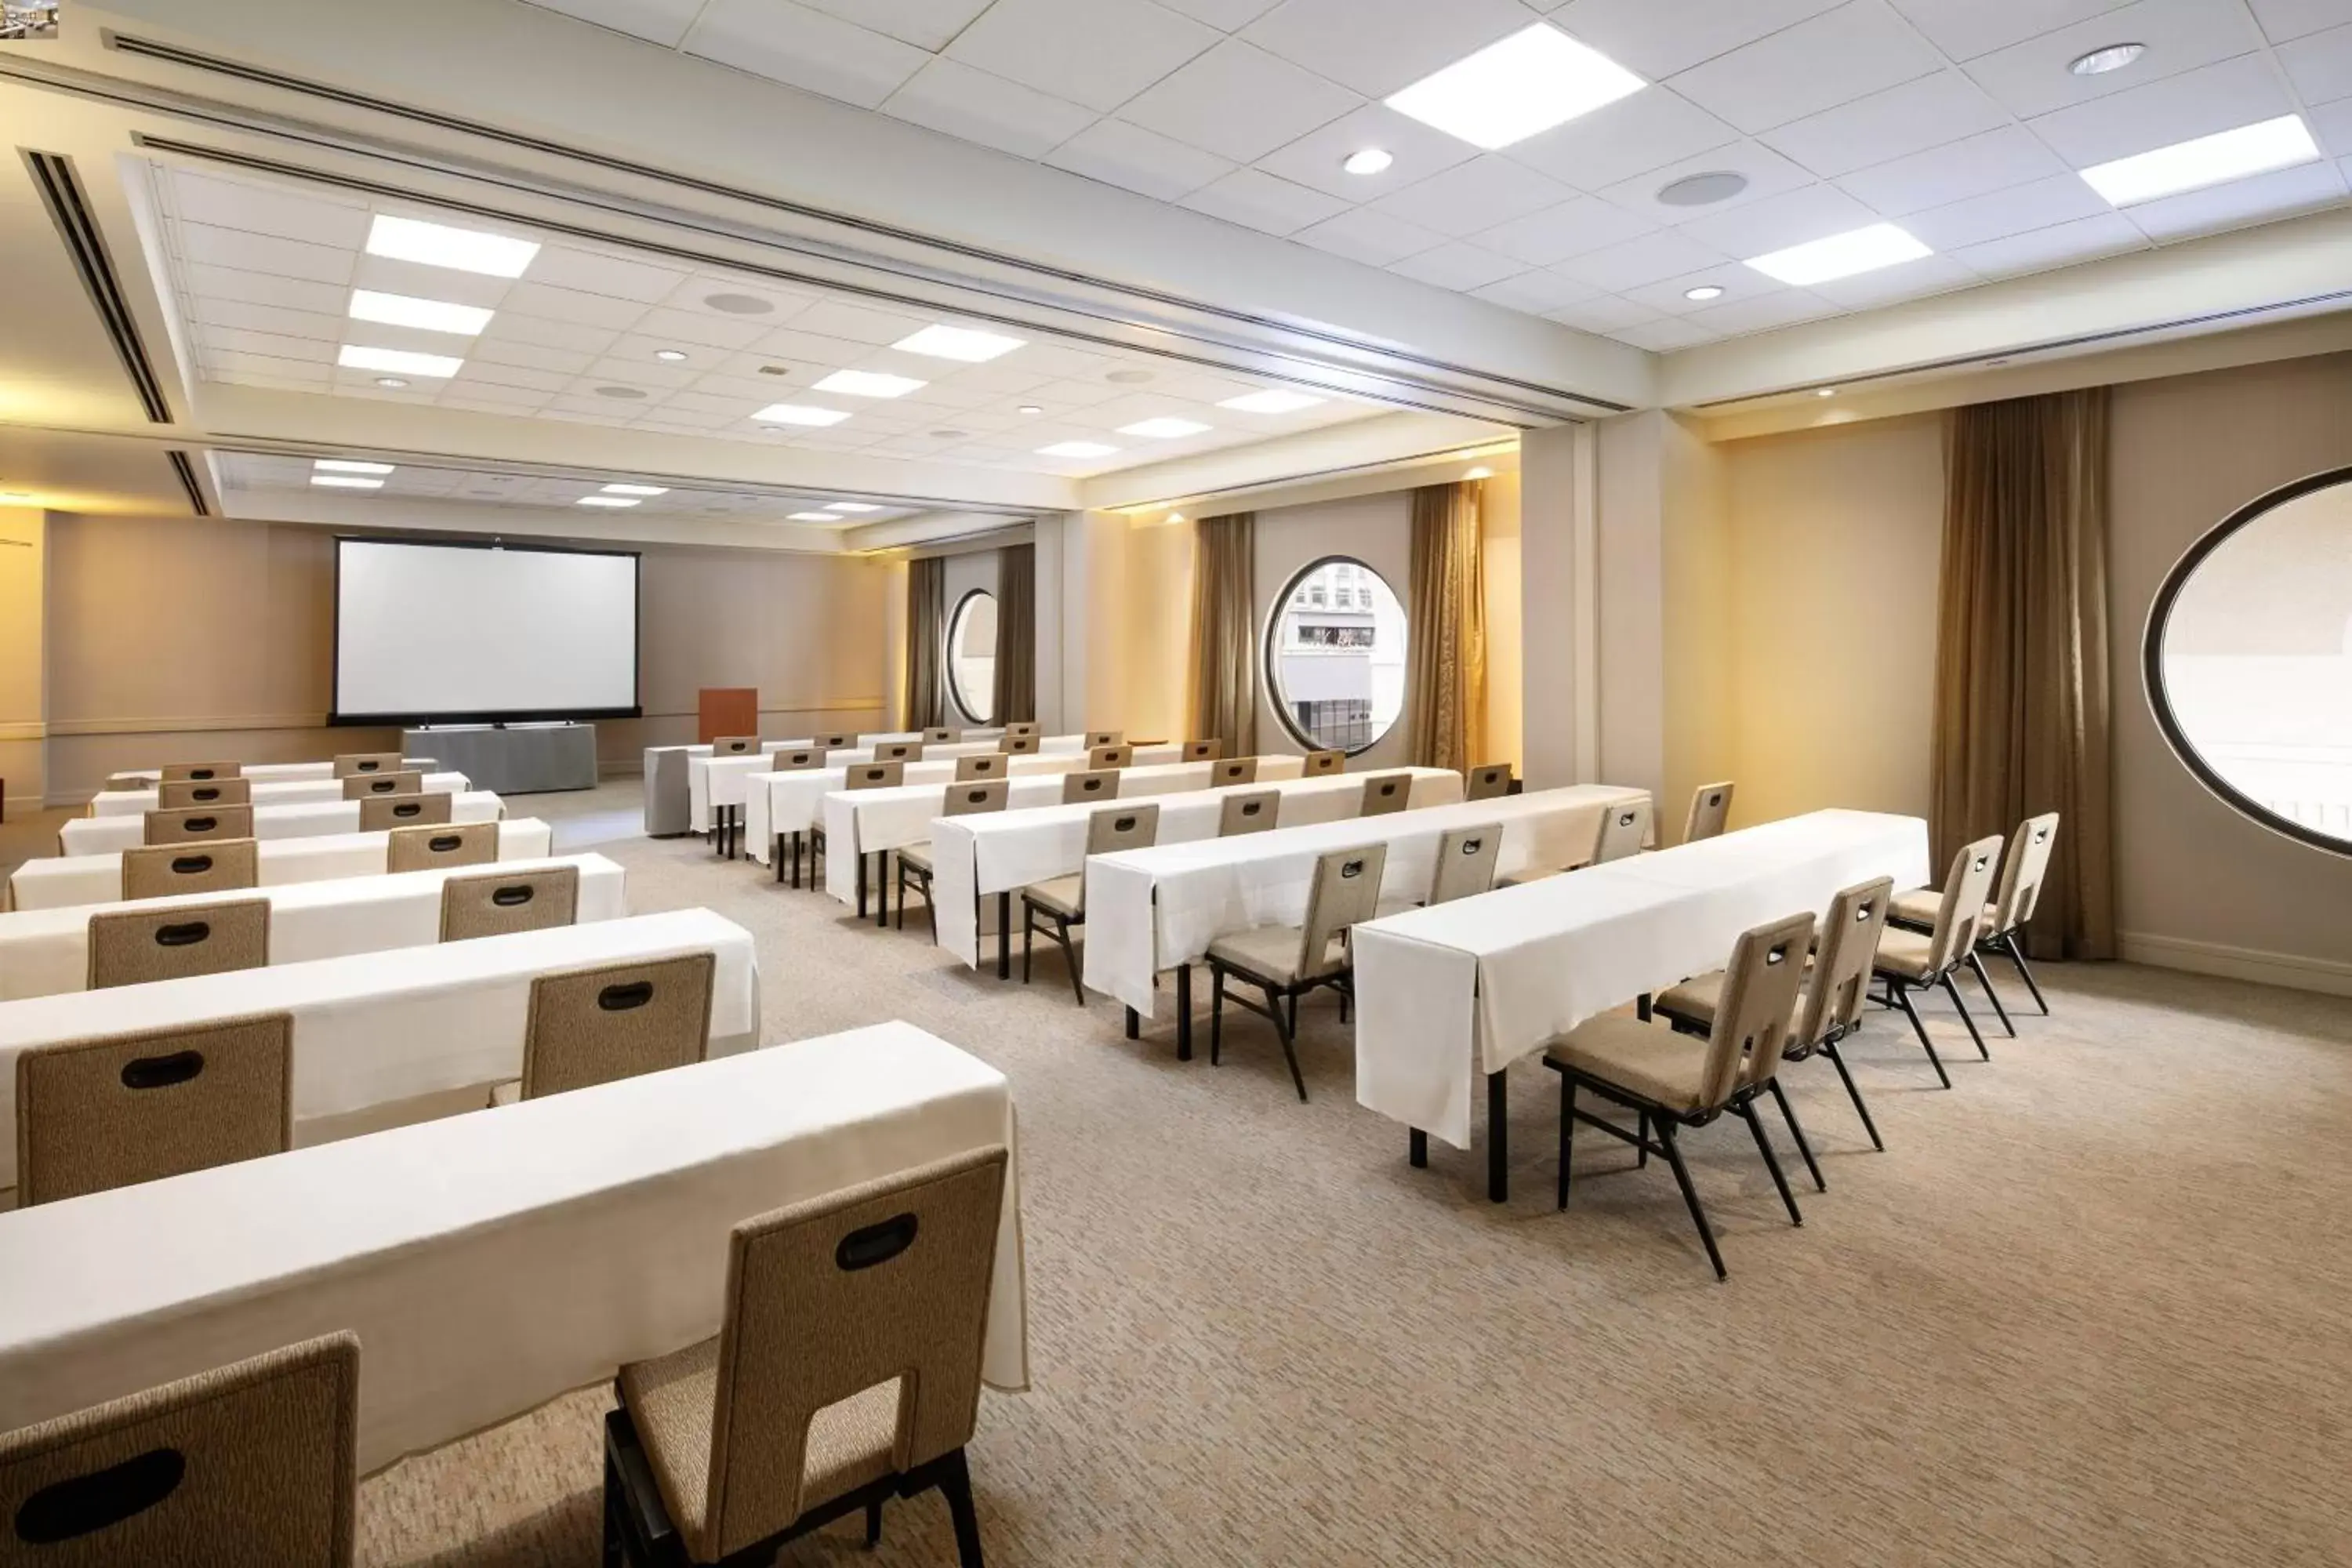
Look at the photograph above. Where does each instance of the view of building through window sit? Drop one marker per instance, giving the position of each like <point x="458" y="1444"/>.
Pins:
<point x="972" y="656"/>
<point x="1335" y="655"/>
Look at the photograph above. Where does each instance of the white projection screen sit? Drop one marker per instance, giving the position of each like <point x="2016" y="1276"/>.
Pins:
<point x="468" y="633"/>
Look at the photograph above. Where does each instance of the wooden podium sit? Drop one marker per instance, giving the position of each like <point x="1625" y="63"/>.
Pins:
<point x="727" y="710"/>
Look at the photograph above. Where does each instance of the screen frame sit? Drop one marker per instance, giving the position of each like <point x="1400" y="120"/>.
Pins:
<point x="636" y="709"/>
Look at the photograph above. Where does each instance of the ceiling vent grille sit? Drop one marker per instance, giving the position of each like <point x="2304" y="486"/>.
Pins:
<point x="61" y="193"/>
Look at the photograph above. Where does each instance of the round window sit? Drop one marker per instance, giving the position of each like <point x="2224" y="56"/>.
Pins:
<point x="972" y="656"/>
<point x="1335" y="650"/>
<point x="2249" y="660"/>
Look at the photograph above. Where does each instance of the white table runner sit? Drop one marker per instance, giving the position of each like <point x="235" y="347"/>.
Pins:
<point x="1149" y="909"/>
<point x="110" y="835"/>
<point x="266" y="792"/>
<point x="491" y="1261"/>
<point x="45" y="952"/>
<point x="1447" y="995"/>
<point x="720" y="781"/>
<point x="261" y="772"/>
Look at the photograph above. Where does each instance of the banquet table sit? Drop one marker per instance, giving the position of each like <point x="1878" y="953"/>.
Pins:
<point x="670" y="770"/>
<point x="491" y="1261"/>
<point x="266" y="792"/>
<point x="98" y="878"/>
<point x="263" y="773"/>
<point x="109" y="834"/>
<point x="45" y="952"/>
<point x="386" y="1038"/>
<point x="1445" y="994"/>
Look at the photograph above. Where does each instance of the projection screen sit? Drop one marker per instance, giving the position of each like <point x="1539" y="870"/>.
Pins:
<point x="430" y="633"/>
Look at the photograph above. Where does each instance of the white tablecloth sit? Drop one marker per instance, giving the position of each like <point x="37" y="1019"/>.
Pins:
<point x="260" y="772"/>
<point x="380" y="1029"/>
<point x="110" y="835"/>
<point x="1445" y="996"/>
<point x="98" y="878"/>
<point x="491" y="1261"/>
<point x="720" y="781"/>
<point x="1149" y="909"/>
<point x="266" y="792"/>
<point x="869" y="821"/>
<point x="994" y="852"/>
<point x="45" y="952"/>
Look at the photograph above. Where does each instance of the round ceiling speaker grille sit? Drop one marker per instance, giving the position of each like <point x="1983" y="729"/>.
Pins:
<point x="739" y="304"/>
<point x="629" y="393"/>
<point x="1703" y="190"/>
<point x="1128" y="377"/>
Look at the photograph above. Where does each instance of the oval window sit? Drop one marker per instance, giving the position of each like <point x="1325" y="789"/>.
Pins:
<point x="972" y="656"/>
<point x="1335" y="656"/>
<point x="2249" y="660"/>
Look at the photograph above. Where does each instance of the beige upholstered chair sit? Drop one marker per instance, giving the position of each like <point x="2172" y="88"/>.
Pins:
<point x="1486" y="781"/>
<point x="1249" y="811"/>
<point x="988" y="765"/>
<point x="503" y="902"/>
<point x="1094" y="785"/>
<point x="383" y="813"/>
<point x="1910" y="960"/>
<point x="1669" y="1079"/>
<point x="1318" y="764"/>
<point x="846" y="1372"/>
<point x="2023" y="874"/>
<point x="734" y="745"/>
<point x="964" y="797"/>
<point x="198" y="825"/>
<point x="180" y="794"/>
<point x="369" y="786"/>
<point x="1017" y="745"/>
<point x="115" y="1109"/>
<point x="1287" y="962"/>
<point x="1062" y="899"/>
<point x="164" y="871"/>
<point x="1710" y="812"/>
<point x="135" y="947"/>
<point x="1232" y="770"/>
<point x="1465" y="869"/>
<point x="177" y="773"/>
<point x="941" y="736"/>
<point x="254" y="1462"/>
<point x="439" y="846"/>
<point x="350" y="763"/>
<point x="1385" y="792"/>
<point x="796" y="761"/>
<point x="1022" y="727"/>
<point x="836" y="741"/>
<point x="1113" y="757"/>
<point x="594" y="1025"/>
<point x="1103" y="738"/>
<point x="898" y="752"/>
<point x="1202" y="751"/>
<point x="858" y="775"/>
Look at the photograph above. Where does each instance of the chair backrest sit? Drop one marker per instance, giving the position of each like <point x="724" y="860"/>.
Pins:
<point x="115" y="1109"/>
<point x="734" y="745"/>
<point x="193" y="825"/>
<point x="1466" y="858"/>
<point x="437" y="846"/>
<point x="1249" y="811"/>
<point x="1753" y="1010"/>
<point x="1017" y="745"/>
<point x="1710" y="812"/>
<point x="252" y="1462"/>
<point x="133" y="947"/>
<point x="832" y="742"/>
<point x="367" y="786"/>
<point x="939" y="736"/>
<point x="220" y="865"/>
<point x="1110" y="756"/>
<point x="898" y="752"/>
<point x="1840" y="979"/>
<point x="988" y="765"/>
<point x="1486" y="782"/>
<point x="176" y="794"/>
<point x="1025" y="727"/>
<point x="1117" y="827"/>
<point x="1089" y="785"/>
<point x="875" y="775"/>
<point x="2023" y="874"/>
<point x="796" y="761"/>
<point x="1346" y="890"/>
<point x="1622" y="830"/>
<point x="382" y="813"/>
<point x="1202" y="751"/>
<point x="1232" y="770"/>
<point x="1319" y="763"/>
<point x="593" y="1025"/>
<point x="207" y="772"/>
<point x="1967" y="889"/>
<point x="503" y="902"/>
<point x="966" y="797"/>
<point x="1384" y="792"/>
<point x="1103" y="738"/>
<point x="879" y="1284"/>
<point x="350" y="763"/>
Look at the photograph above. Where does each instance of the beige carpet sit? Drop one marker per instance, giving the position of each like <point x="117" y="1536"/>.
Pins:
<point x="2090" y="1306"/>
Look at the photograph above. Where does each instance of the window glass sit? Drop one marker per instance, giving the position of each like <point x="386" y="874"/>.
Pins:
<point x="972" y="656"/>
<point x="1335" y="656"/>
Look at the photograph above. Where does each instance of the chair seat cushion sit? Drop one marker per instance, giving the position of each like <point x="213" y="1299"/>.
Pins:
<point x="1650" y="1061"/>
<point x="1920" y="907"/>
<point x="1697" y="1000"/>
<point x="1905" y="953"/>
<point x="916" y="858"/>
<point x="1063" y="896"/>
<point x="1270" y="952"/>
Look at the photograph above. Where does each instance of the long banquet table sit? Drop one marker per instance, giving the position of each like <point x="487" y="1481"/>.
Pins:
<point x="670" y="768"/>
<point x="110" y="835"/>
<point x="266" y="792"/>
<point x="491" y="1261"/>
<point x="262" y="772"/>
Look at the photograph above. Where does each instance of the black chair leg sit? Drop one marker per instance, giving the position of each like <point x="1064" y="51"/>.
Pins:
<point x="1641" y="1150"/>
<point x="2017" y="957"/>
<point x="1854" y="1094"/>
<point x="873" y="1524"/>
<point x="1567" y="1131"/>
<point x="955" y="1485"/>
<point x="1284" y="1031"/>
<point x="616" y="1550"/>
<point x="1216" y="1012"/>
<point x="1902" y="994"/>
<point x="1070" y="957"/>
<point x="1771" y="1161"/>
<point x="1028" y="926"/>
<point x="1690" y="1195"/>
<point x="1789" y="1115"/>
<point x="902" y="895"/>
<point x="1953" y="990"/>
<point x="1976" y="963"/>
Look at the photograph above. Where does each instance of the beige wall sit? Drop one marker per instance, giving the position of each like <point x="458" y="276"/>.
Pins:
<point x="1160" y="632"/>
<point x="1499" y="535"/>
<point x="24" y="707"/>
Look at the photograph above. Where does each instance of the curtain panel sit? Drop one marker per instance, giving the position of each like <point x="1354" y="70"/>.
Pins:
<point x="1445" y="686"/>
<point x="1221" y="693"/>
<point x="2022" y="714"/>
<point x="1016" y="635"/>
<point x="927" y="609"/>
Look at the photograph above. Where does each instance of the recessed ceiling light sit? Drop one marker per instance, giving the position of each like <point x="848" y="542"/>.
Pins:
<point x="1536" y="79"/>
<point x="1163" y="430"/>
<point x="851" y="506"/>
<point x="354" y="356"/>
<point x="460" y="249"/>
<point x="1270" y="402"/>
<point x="425" y="315"/>
<point x="1841" y="256"/>
<point x="1032" y="408"/>
<point x="606" y="501"/>
<point x="968" y="344"/>
<point x="798" y="414"/>
<point x="2100" y="61"/>
<point x="2208" y="161"/>
<point x="869" y="383"/>
<point x="1076" y="449"/>
<point x="1825" y="392"/>
<point x="811" y="517"/>
<point x="637" y="490"/>
<point x="1703" y="293"/>
<point x="739" y="304"/>
<point x="391" y="383"/>
<point x="1369" y="160"/>
<point x="1703" y="190"/>
<point x="671" y="356"/>
<point x="345" y="482"/>
<point x="349" y="466"/>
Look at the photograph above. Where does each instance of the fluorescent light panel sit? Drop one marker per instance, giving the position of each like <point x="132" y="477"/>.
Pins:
<point x="1841" y="256"/>
<point x="2213" y="160"/>
<point x="798" y="414"/>
<point x="1271" y="403"/>
<point x="356" y="356"/>
<point x="1536" y="79"/>
<point x="868" y="384"/>
<point x="345" y="482"/>
<point x="439" y="245"/>
<point x="606" y="501"/>
<point x="968" y="344"/>
<point x="637" y="490"/>
<point x="349" y="466"/>
<point x="1076" y="449"/>
<point x="1163" y="430"/>
<point x="811" y="517"/>
<point x="426" y="315"/>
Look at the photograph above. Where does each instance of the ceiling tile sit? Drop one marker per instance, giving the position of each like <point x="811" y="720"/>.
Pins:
<point x="1644" y="131"/>
<point x="2332" y="124"/>
<point x="1768" y="174"/>
<point x="691" y="330"/>
<point x="1823" y="61"/>
<point x="261" y="288"/>
<point x="1775" y="223"/>
<point x="266" y="369"/>
<point x="1137" y="160"/>
<point x="1782" y="307"/>
<point x="1664" y="254"/>
<point x="2284" y="19"/>
<point x="2321" y="65"/>
<point x="947" y="96"/>
<point x="1995" y="160"/>
<point x="663" y="22"/>
<point x="2032" y="79"/>
<point x="926" y="23"/>
<point x="419" y="281"/>
<point x="2195" y="103"/>
<point x="792" y="44"/>
<point x="1658" y="40"/>
<point x="511" y="327"/>
<point x="1666" y="336"/>
<point x="1099" y="52"/>
<point x="1458" y="266"/>
<point x="2240" y="202"/>
<point x="272" y="345"/>
<point x="1536" y="292"/>
<point x="1669" y="296"/>
<point x="529" y="298"/>
<point x="210" y="246"/>
<point x="1419" y="152"/>
<point x="256" y="318"/>
<point x="1377" y="46"/>
<point x="528" y="356"/>
<point x="2062" y="198"/>
<point x="1904" y="280"/>
<point x="1262" y="202"/>
<point x="1238" y="102"/>
<point x="695" y="292"/>
<point x="1887" y="125"/>
<point x="259" y="209"/>
<point x="481" y="372"/>
<point x="2059" y="245"/>
<point x="1571" y="229"/>
<point x="858" y="323"/>
<point x="1227" y="15"/>
<point x="607" y="275"/>
<point x="1474" y="195"/>
<point x="1967" y="28"/>
<point x="1602" y="313"/>
<point x="1362" y="235"/>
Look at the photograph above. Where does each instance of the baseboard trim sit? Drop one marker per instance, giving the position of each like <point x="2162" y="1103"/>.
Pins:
<point x="2293" y="971"/>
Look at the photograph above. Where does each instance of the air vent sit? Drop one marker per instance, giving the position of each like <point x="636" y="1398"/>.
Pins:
<point x="53" y="176"/>
<point x="187" y="472"/>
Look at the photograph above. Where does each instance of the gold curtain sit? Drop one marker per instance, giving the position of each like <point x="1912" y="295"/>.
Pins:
<point x="927" y="609"/>
<point x="1445" y="689"/>
<point x="1222" y="697"/>
<point x="1016" y="635"/>
<point x="2022" y="683"/>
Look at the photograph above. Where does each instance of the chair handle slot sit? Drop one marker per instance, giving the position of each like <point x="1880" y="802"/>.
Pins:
<point x="1471" y="846"/>
<point x="206" y="795"/>
<point x="184" y="933"/>
<point x="162" y="1072"/>
<point x="869" y="1245"/>
<point x="515" y="897"/>
<point x="622" y="998"/>
<point x="200" y="824"/>
<point x="1351" y="870"/>
<point x="190" y="864"/>
<point x="443" y="843"/>
<point x="83" y="1505"/>
<point x="382" y="787"/>
<point x="411" y="809"/>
